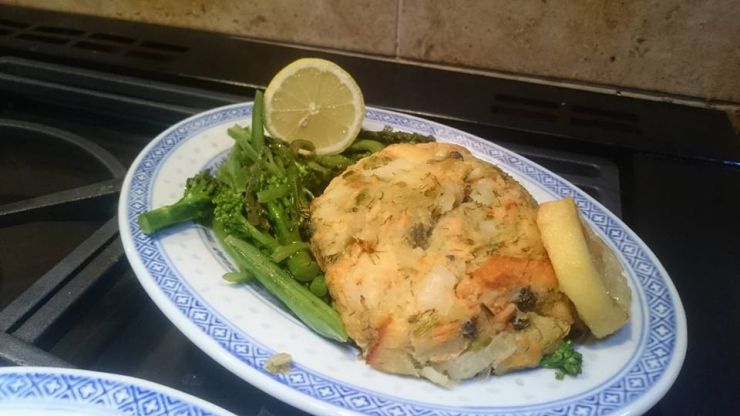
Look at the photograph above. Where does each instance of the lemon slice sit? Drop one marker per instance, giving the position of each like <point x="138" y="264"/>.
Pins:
<point x="588" y="271"/>
<point x="317" y="101"/>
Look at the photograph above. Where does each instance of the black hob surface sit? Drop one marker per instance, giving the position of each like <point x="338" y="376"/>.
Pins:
<point x="72" y="119"/>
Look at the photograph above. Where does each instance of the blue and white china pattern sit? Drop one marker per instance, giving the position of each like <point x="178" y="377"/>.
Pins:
<point x="646" y="376"/>
<point x="24" y="389"/>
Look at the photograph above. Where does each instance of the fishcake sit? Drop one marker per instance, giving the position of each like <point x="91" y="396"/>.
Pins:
<point x="436" y="266"/>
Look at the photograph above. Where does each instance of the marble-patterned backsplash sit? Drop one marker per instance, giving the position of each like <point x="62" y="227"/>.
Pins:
<point x="672" y="47"/>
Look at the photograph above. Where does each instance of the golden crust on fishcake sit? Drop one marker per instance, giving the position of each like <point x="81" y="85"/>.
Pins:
<point x="436" y="264"/>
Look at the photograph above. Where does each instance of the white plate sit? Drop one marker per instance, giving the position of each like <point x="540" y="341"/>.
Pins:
<point x="241" y="326"/>
<point x="44" y="391"/>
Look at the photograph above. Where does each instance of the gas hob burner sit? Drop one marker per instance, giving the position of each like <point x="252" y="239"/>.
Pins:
<point x="59" y="196"/>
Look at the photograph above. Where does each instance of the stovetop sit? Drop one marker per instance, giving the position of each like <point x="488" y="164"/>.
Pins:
<point x="74" y="114"/>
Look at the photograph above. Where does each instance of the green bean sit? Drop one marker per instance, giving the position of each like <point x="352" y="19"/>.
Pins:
<point x="318" y="286"/>
<point x="237" y="277"/>
<point x="258" y="130"/>
<point x="367" y="145"/>
<point x="283" y="252"/>
<point x="310" y="309"/>
<point x="318" y="168"/>
<point x="334" y="161"/>
<point x="301" y="264"/>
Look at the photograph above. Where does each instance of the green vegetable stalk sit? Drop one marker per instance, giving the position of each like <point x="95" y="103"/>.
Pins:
<point x="318" y="286"/>
<point x="195" y="205"/>
<point x="258" y="130"/>
<point x="257" y="203"/>
<point x="303" y="266"/>
<point x="310" y="309"/>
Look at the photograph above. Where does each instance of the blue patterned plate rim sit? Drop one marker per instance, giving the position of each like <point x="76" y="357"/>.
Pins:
<point x="650" y="372"/>
<point x="73" y="390"/>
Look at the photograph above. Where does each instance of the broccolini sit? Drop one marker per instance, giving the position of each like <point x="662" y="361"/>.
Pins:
<point x="257" y="203"/>
<point x="195" y="205"/>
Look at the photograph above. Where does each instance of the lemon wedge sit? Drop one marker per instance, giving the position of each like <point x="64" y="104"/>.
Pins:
<point x="588" y="271"/>
<point x="317" y="101"/>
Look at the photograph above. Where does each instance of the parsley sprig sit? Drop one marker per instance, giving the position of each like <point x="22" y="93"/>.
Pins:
<point x="565" y="359"/>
